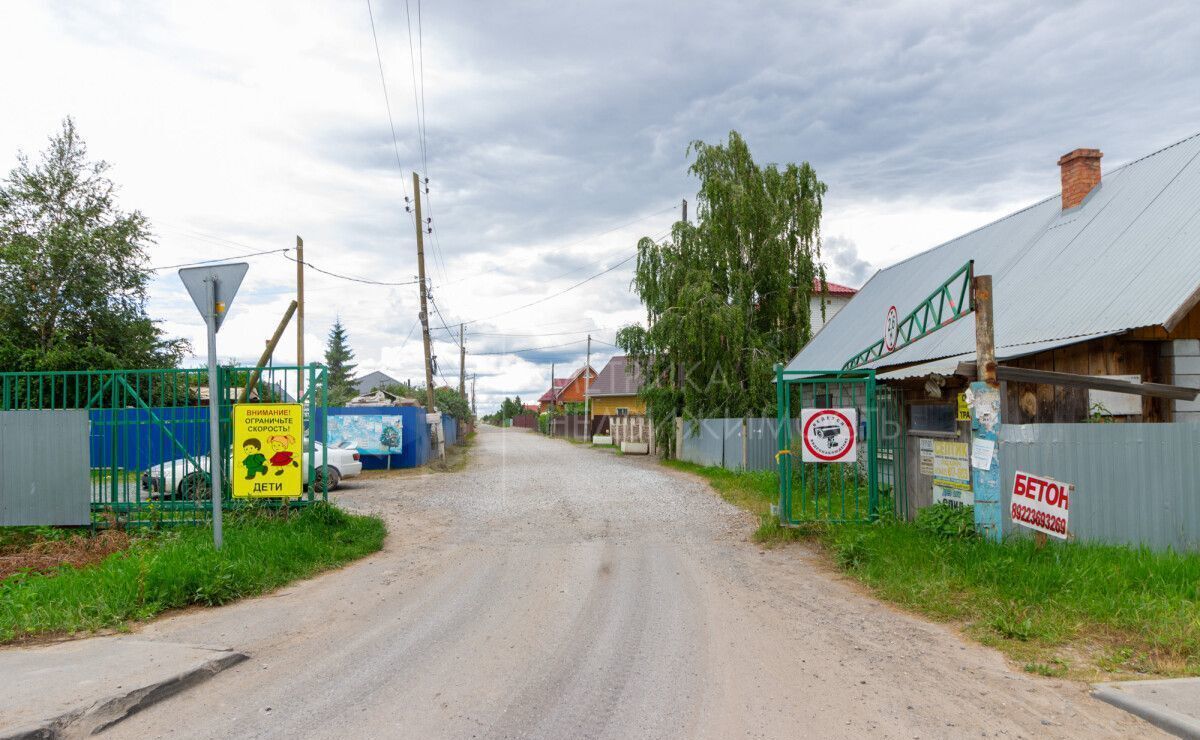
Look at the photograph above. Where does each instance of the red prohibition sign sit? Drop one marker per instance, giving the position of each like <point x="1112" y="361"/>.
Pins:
<point x="849" y="427"/>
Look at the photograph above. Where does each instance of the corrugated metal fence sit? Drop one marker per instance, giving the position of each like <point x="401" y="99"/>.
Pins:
<point x="44" y="474"/>
<point x="1136" y="484"/>
<point x="719" y="442"/>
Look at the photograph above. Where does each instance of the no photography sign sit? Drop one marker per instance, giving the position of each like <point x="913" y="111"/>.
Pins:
<point x="828" y="435"/>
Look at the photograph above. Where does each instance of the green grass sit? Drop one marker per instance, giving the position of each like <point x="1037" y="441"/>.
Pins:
<point x="179" y="567"/>
<point x="1085" y="610"/>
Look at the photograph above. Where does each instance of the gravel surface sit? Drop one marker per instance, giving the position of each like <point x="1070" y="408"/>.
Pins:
<point x="554" y="591"/>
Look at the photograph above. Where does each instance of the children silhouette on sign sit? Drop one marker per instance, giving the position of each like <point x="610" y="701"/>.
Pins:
<point x="255" y="461"/>
<point x="283" y="456"/>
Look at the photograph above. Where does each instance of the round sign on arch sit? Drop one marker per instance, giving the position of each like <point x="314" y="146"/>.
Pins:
<point x="891" y="330"/>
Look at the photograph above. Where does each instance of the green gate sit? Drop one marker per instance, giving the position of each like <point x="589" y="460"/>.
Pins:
<point x="862" y="486"/>
<point x="149" y="433"/>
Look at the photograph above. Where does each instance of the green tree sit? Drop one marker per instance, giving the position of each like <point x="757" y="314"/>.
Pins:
<point x="339" y="359"/>
<point x="73" y="272"/>
<point x="727" y="297"/>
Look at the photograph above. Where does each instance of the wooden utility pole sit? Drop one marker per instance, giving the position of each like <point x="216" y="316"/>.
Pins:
<point x="429" y="405"/>
<point x="684" y="219"/>
<point x="474" y="409"/>
<point x="550" y="423"/>
<point x="985" y="336"/>
<point x="462" y="364"/>
<point x="587" y="384"/>
<point x="299" y="316"/>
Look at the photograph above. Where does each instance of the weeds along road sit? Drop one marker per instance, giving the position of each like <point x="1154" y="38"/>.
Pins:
<point x="553" y="591"/>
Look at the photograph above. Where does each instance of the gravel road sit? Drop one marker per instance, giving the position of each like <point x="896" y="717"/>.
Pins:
<point x="554" y="591"/>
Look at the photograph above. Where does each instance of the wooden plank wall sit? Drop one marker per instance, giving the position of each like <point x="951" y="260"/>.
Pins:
<point x="1028" y="403"/>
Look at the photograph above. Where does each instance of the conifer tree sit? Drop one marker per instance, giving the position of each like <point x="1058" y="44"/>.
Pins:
<point x="339" y="358"/>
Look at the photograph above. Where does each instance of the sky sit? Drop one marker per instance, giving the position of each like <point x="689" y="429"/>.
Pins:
<point x="554" y="137"/>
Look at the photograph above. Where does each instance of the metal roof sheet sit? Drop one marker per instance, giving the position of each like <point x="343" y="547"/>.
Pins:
<point x="1126" y="257"/>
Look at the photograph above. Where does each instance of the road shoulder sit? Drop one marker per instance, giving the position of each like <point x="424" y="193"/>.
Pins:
<point x="76" y="688"/>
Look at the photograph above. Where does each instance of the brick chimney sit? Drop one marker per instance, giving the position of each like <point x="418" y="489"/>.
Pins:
<point x="1080" y="173"/>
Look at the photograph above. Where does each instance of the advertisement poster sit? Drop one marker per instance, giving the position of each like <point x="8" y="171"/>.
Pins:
<point x="1041" y="504"/>
<point x="370" y="434"/>
<point x="951" y="464"/>
<point x="268" y="440"/>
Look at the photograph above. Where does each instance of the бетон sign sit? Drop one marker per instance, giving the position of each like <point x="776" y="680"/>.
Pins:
<point x="1041" y="504"/>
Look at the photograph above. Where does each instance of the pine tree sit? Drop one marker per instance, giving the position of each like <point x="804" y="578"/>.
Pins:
<point x="339" y="359"/>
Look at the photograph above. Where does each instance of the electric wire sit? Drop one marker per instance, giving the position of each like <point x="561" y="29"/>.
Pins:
<point x="218" y="259"/>
<point x="387" y="101"/>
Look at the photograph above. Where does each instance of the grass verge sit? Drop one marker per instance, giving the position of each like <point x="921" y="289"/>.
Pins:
<point x="178" y="568"/>
<point x="1087" y="611"/>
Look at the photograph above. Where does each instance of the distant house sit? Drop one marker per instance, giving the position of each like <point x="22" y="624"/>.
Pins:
<point x="375" y="380"/>
<point x="839" y="295"/>
<point x="567" y="390"/>
<point x="614" y="391"/>
<point x="547" y="399"/>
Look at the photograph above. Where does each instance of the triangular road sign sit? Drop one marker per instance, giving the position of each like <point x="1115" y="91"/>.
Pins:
<point x="226" y="279"/>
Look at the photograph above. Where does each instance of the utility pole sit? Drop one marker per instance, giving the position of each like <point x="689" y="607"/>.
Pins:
<point x="587" y="384"/>
<point x="685" y="210"/>
<point x="299" y="316"/>
<point x="550" y="424"/>
<point x="984" y="401"/>
<point x="462" y="364"/>
<point x="429" y="406"/>
<point x="474" y="409"/>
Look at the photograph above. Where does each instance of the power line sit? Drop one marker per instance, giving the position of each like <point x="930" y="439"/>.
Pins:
<point x="541" y="334"/>
<point x="219" y="259"/>
<point x="351" y="278"/>
<point x="529" y="349"/>
<point x="552" y="295"/>
<point x="575" y="243"/>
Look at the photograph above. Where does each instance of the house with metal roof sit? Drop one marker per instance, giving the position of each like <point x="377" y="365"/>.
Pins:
<point x="567" y="390"/>
<point x="1101" y="280"/>
<point x="614" y="392"/>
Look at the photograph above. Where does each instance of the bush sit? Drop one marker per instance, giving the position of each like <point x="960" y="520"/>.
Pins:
<point x="950" y="522"/>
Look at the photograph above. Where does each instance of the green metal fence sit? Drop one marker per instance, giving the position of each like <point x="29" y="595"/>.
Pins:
<point x="858" y="489"/>
<point x="149" y="438"/>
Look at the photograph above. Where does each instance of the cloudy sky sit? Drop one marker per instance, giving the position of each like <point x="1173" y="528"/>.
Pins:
<point x="556" y="135"/>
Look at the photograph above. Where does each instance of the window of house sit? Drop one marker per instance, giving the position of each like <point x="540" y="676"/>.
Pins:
<point x="622" y="411"/>
<point x="932" y="417"/>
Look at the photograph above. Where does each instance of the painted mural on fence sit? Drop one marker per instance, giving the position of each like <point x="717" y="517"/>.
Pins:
<point x="370" y="434"/>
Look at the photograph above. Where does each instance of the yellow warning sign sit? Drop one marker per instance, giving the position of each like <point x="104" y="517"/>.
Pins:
<point x="267" y="443"/>
<point x="964" y="411"/>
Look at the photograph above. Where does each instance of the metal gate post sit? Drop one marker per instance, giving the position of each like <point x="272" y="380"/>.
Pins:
<point x="872" y="450"/>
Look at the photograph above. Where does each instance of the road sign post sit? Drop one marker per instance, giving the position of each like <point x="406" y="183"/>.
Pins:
<point x="212" y="288"/>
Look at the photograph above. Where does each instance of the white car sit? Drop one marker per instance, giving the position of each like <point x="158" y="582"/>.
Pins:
<point x="180" y="479"/>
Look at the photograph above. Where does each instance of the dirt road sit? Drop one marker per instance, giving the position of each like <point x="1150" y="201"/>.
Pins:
<point x="552" y="591"/>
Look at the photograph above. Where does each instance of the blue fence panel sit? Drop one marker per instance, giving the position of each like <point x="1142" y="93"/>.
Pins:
<point x="414" y="437"/>
<point x="450" y="429"/>
<point x="135" y="441"/>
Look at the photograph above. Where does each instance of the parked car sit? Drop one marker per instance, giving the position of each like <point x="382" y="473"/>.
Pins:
<point x="180" y="479"/>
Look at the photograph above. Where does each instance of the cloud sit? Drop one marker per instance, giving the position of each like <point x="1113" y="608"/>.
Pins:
<point x="557" y="136"/>
<point x="846" y="266"/>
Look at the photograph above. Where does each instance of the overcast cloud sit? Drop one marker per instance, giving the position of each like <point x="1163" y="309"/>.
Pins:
<point x="556" y="137"/>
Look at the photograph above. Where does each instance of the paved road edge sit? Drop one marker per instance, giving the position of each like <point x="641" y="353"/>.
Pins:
<point x="1161" y="717"/>
<point x="106" y="712"/>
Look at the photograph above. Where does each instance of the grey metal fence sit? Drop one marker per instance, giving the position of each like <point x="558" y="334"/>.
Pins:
<point x="1136" y="484"/>
<point x="44" y="474"/>
<point x="720" y="442"/>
